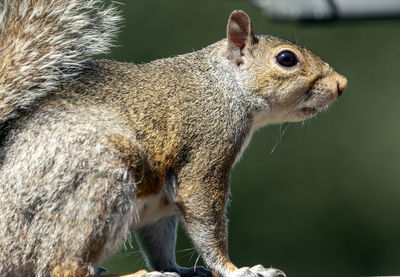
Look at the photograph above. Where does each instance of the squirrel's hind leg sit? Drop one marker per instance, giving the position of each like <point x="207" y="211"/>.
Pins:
<point x="74" y="203"/>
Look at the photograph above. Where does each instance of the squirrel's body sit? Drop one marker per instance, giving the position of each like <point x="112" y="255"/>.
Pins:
<point x="114" y="147"/>
<point x="115" y="119"/>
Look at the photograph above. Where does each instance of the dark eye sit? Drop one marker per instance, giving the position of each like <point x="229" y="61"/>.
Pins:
<point x="286" y="58"/>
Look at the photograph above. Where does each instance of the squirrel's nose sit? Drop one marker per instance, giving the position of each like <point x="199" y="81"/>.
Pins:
<point x="341" y="82"/>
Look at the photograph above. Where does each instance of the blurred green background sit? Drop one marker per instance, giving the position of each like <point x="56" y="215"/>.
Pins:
<point x="319" y="198"/>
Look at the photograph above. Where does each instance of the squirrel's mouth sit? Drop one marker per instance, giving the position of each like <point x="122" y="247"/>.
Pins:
<point x="315" y="103"/>
<point x="309" y="111"/>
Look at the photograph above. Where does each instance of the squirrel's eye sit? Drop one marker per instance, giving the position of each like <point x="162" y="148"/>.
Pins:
<point x="286" y="58"/>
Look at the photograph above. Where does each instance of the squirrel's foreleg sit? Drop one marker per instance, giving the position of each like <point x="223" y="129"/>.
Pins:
<point x="202" y="199"/>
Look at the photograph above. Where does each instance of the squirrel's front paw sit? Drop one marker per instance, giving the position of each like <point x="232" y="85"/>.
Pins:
<point x="257" y="271"/>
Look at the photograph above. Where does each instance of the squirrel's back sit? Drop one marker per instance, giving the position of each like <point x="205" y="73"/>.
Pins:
<point x="44" y="43"/>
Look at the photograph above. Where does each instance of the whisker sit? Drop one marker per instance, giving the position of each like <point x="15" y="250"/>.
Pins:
<point x="302" y="97"/>
<point x="185" y="250"/>
<point x="281" y="133"/>
<point x="129" y="253"/>
<point x="197" y="260"/>
<point x="284" y="127"/>
<point x="192" y="255"/>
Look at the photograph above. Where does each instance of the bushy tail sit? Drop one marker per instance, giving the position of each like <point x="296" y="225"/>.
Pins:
<point x="44" y="43"/>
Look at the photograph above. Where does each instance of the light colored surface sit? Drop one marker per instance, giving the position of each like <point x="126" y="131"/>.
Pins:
<point x="326" y="9"/>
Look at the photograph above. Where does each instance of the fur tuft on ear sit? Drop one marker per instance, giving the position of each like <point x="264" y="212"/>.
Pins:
<point x="239" y="34"/>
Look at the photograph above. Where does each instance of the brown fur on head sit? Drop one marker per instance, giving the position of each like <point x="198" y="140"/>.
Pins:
<point x="294" y="92"/>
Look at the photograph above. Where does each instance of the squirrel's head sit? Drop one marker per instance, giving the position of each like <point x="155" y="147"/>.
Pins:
<point x="294" y="83"/>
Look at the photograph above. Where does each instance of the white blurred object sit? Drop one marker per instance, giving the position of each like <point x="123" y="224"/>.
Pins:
<point x="329" y="9"/>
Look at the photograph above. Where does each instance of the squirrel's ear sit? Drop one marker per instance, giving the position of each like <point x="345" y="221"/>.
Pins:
<point x="239" y="34"/>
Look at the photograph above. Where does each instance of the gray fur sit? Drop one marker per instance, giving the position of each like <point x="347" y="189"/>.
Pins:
<point x="44" y="43"/>
<point x="158" y="240"/>
<point x="60" y="197"/>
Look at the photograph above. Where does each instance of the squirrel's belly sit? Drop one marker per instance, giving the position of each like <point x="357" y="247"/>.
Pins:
<point x="152" y="207"/>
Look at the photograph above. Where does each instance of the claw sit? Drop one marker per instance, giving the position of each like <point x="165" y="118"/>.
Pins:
<point x="268" y="271"/>
<point x="280" y="273"/>
<point x="100" y="270"/>
<point x="258" y="271"/>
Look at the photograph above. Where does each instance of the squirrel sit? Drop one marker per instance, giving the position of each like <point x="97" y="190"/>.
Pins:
<point x="94" y="149"/>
